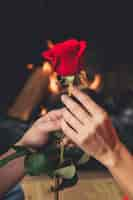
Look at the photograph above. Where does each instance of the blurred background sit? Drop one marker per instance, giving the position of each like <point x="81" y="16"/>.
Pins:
<point x="26" y="25"/>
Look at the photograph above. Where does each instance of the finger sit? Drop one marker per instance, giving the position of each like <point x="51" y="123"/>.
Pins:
<point x="87" y="102"/>
<point x="75" y="109"/>
<point x="72" y="121"/>
<point x="50" y="126"/>
<point x="52" y="115"/>
<point x="55" y="114"/>
<point x="69" y="132"/>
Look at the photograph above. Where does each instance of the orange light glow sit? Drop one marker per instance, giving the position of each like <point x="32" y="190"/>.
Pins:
<point x="50" y="44"/>
<point x="47" y="67"/>
<point x="95" y="85"/>
<point x="43" y="111"/>
<point x="29" y="66"/>
<point x="54" y="84"/>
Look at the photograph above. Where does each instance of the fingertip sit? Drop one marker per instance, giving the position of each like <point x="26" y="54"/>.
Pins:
<point x="63" y="97"/>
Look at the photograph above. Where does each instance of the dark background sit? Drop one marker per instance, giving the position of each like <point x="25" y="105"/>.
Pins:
<point x="26" y="24"/>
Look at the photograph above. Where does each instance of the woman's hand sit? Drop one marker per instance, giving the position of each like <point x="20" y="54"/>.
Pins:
<point x="90" y="127"/>
<point x="37" y="135"/>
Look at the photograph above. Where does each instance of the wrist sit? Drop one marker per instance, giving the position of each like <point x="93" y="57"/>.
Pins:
<point x="121" y="156"/>
<point x="113" y="157"/>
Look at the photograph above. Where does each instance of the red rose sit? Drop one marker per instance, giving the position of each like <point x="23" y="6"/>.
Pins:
<point x="66" y="57"/>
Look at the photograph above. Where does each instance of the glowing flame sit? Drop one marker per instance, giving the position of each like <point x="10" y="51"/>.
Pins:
<point x="47" y="67"/>
<point x="54" y="84"/>
<point x="43" y="111"/>
<point x="93" y="85"/>
<point x="29" y="66"/>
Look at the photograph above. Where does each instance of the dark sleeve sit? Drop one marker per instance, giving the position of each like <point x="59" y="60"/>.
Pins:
<point x="10" y="132"/>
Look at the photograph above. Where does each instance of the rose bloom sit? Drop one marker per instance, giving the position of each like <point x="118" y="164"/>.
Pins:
<point x="66" y="57"/>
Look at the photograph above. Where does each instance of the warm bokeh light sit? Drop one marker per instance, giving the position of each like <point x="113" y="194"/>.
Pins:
<point x="54" y="84"/>
<point x="29" y="66"/>
<point x="96" y="84"/>
<point x="43" y="111"/>
<point x="93" y="85"/>
<point x="47" y="67"/>
<point x="83" y="78"/>
<point x="50" y="44"/>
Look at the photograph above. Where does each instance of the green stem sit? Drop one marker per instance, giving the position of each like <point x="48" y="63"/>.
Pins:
<point x="57" y="179"/>
<point x="56" y="193"/>
<point x="61" y="154"/>
<point x="11" y="157"/>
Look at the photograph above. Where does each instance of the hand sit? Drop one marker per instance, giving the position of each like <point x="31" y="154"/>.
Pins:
<point x="90" y="127"/>
<point x="37" y="135"/>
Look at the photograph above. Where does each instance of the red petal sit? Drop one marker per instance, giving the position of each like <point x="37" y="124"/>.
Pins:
<point x="83" y="45"/>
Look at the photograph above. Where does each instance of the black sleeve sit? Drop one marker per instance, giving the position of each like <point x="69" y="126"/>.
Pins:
<point x="10" y="132"/>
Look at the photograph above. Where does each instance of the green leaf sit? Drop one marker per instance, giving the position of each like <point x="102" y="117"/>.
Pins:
<point x="66" y="172"/>
<point x="36" y="164"/>
<point x="84" y="159"/>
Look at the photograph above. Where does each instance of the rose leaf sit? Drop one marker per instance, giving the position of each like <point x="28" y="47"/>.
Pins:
<point x="66" y="172"/>
<point x="84" y="159"/>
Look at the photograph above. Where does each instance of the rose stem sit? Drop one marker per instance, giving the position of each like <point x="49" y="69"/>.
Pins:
<point x="61" y="154"/>
<point x="57" y="179"/>
<point x="56" y="193"/>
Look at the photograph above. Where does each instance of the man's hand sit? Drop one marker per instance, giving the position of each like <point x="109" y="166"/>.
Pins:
<point x="37" y="135"/>
<point x="90" y="127"/>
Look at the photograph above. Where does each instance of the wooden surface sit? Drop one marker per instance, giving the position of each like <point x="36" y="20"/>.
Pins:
<point x="92" y="186"/>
